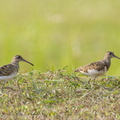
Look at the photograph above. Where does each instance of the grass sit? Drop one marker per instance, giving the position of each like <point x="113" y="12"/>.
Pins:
<point x="60" y="95"/>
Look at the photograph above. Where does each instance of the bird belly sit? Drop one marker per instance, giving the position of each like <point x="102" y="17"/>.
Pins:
<point x="6" y="78"/>
<point x="93" y="72"/>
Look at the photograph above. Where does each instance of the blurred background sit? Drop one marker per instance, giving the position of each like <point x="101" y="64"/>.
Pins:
<point x="53" y="34"/>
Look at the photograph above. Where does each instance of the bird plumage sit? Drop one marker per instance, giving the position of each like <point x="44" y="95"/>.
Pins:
<point x="97" y="68"/>
<point x="9" y="71"/>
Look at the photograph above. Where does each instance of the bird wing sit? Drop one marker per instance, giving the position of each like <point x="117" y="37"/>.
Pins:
<point x="8" y="69"/>
<point x="100" y="65"/>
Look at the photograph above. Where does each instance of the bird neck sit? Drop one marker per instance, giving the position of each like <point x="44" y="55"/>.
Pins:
<point x="107" y="60"/>
<point x="15" y="62"/>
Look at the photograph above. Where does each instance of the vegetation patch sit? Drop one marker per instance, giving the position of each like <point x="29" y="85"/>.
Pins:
<point x="60" y="95"/>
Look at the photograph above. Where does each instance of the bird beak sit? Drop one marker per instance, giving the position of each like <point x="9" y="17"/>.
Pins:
<point x="27" y="62"/>
<point x="116" y="57"/>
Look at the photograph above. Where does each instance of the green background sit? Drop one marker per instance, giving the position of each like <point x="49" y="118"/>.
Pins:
<point x="53" y="34"/>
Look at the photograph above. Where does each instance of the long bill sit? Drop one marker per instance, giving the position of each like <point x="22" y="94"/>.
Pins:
<point x="116" y="57"/>
<point x="28" y="62"/>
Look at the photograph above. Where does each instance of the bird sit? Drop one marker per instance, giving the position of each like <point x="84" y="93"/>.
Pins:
<point x="9" y="71"/>
<point x="98" y="68"/>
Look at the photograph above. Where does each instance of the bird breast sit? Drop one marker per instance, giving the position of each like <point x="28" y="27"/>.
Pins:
<point x="6" y="78"/>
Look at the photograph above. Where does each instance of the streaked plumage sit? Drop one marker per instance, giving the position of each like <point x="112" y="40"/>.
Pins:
<point x="9" y="71"/>
<point x="97" y="68"/>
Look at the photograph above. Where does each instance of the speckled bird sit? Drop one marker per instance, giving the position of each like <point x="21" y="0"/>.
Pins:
<point x="7" y="72"/>
<point x="97" y="68"/>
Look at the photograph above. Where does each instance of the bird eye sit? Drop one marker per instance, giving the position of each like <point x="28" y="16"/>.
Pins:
<point x="18" y="56"/>
<point x="110" y="53"/>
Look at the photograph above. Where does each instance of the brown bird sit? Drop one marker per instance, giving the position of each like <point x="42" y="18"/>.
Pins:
<point x="97" y="68"/>
<point x="7" y="72"/>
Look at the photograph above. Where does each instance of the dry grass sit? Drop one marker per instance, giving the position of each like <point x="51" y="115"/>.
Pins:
<point x="60" y="95"/>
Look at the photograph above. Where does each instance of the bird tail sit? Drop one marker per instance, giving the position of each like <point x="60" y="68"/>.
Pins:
<point x="77" y="70"/>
